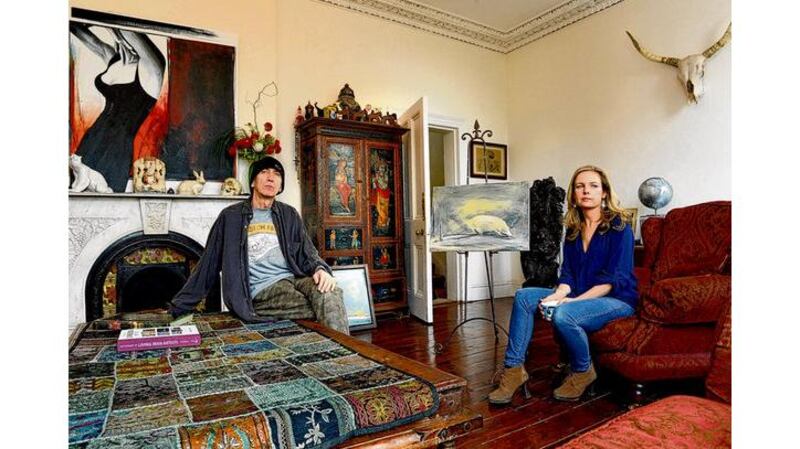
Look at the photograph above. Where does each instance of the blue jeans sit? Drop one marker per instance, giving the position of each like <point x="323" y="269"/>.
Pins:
<point x="572" y="321"/>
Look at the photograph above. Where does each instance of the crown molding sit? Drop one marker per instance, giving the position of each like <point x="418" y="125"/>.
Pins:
<point x="442" y="23"/>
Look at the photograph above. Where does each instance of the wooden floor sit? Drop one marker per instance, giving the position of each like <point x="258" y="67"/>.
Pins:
<point x="473" y="355"/>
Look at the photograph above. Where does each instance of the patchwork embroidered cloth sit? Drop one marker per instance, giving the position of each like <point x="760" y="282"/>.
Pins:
<point x="275" y="385"/>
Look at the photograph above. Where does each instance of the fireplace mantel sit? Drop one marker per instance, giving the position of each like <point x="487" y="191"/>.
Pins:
<point x="98" y="220"/>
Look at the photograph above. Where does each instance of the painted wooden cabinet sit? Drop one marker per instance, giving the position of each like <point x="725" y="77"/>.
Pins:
<point x="352" y="200"/>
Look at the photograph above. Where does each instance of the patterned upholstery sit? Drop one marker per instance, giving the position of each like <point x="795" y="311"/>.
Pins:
<point x="685" y="287"/>
<point x="676" y="421"/>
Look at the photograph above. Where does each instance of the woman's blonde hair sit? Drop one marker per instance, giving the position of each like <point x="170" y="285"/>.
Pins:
<point x="573" y="220"/>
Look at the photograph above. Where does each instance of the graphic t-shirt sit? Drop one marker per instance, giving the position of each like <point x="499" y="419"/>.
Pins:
<point x="265" y="259"/>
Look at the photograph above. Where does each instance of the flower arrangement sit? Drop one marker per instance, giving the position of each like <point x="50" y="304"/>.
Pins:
<point x="252" y="144"/>
<point x="249" y="141"/>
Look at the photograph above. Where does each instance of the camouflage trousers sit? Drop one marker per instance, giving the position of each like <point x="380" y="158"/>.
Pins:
<point x="299" y="299"/>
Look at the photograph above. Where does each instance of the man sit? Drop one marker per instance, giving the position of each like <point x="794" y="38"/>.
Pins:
<point x="270" y="268"/>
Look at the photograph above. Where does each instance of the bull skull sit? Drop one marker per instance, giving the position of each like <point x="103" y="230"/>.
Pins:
<point x="691" y="68"/>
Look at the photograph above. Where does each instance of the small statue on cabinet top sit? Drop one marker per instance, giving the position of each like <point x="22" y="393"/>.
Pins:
<point x="298" y="116"/>
<point x="309" y="111"/>
<point x="231" y="187"/>
<point x="320" y="111"/>
<point x="347" y="99"/>
<point x="149" y="175"/>
<point x="86" y="178"/>
<point x="192" y="186"/>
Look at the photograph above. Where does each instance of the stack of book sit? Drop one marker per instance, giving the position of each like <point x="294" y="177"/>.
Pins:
<point x="157" y="338"/>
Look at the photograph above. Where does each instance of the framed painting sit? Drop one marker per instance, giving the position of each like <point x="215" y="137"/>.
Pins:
<point x="492" y="163"/>
<point x="139" y="88"/>
<point x="354" y="282"/>
<point x="381" y="192"/>
<point x="481" y="217"/>
<point x="384" y="257"/>
<point x="341" y="179"/>
<point x="346" y="238"/>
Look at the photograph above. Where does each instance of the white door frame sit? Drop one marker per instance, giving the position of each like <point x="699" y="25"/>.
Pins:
<point x="455" y="153"/>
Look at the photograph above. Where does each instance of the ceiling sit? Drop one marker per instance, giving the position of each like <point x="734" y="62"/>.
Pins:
<point x="499" y="25"/>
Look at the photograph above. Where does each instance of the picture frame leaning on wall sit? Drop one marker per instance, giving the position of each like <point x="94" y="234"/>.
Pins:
<point x="357" y="295"/>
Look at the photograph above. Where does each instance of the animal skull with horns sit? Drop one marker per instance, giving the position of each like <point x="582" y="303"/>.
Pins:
<point x="691" y="68"/>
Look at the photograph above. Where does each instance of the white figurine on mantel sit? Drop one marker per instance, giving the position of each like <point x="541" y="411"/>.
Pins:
<point x="192" y="186"/>
<point x="230" y="187"/>
<point x="86" y="178"/>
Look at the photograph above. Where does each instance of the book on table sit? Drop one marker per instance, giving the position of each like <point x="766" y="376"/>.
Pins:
<point x="158" y="338"/>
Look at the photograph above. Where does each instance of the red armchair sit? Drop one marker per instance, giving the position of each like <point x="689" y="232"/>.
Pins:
<point x="684" y="285"/>
<point x="676" y="421"/>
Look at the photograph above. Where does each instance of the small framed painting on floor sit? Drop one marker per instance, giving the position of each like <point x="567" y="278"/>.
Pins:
<point x="354" y="282"/>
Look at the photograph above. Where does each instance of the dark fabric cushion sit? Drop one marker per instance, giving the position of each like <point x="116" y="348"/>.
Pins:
<point x="685" y="300"/>
<point x="614" y="335"/>
<point x="649" y="368"/>
<point x="642" y="281"/>
<point x="676" y="421"/>
<point x="718" y="382"/>
<point x="694" y="240"/>
<point x="651" y="238"/>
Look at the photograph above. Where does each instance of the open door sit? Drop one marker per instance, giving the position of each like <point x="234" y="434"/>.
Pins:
<point x="418" y="210"/>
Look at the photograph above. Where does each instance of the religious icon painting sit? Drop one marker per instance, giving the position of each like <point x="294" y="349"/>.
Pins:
<point x="384" y="257"/>
<point x="381" y="192"/>
<point x="343" y="238"/>
<point x="344" y="260"/>
<point x="309" y="177"/>
<point x="342" y="183"/>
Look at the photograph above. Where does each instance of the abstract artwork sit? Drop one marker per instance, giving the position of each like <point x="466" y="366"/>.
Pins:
<point x="354" y="282"/>
<point x="381" y="192"/>
<point x="139" y="88"/>
<point x="481" y="217"/>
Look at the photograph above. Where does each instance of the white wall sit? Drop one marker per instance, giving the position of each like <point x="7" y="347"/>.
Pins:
<point x="584" y="95"/>
<point x="580" y="95"/>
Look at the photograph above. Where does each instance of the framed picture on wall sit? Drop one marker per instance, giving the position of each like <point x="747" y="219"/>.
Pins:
<point x="354" y="282"/>
<point x="495" y="163"/>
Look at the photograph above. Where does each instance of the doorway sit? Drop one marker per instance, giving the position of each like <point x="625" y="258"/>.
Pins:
<point x="443" y="143"/>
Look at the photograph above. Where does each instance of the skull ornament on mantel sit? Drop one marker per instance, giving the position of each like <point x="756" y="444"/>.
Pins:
<point x="691" y="68"/>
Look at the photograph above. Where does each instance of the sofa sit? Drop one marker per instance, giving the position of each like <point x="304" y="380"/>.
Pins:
<point x="684" y="278"/>
<point x="675" y="421"/>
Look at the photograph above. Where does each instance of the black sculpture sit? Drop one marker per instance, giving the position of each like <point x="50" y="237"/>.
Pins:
<point x="539" y="265"/>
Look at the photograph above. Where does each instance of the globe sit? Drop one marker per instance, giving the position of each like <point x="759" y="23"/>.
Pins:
<point x="655" y="193"/>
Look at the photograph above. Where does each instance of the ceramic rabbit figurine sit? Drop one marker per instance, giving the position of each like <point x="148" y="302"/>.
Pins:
<point x="192" y="187"/>
<point x="86" y="178"/>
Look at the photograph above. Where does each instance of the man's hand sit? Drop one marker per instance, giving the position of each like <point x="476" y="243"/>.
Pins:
<point x="325" y="282"/>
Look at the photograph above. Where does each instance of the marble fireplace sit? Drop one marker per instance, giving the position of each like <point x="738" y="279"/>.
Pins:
<point x="131" y="252"/>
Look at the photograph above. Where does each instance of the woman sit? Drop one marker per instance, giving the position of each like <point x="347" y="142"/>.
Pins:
<point x="596" y="286"/>
<point x="131" y="85"/>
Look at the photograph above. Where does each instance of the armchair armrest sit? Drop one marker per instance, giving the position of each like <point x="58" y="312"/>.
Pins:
<point x="687" y="300"/>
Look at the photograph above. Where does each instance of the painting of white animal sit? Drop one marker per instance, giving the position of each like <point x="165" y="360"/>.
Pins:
<point x="481" y="217"/>
<point x="87" y="179"/>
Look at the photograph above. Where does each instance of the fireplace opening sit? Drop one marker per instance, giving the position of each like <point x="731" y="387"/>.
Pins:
<point x="143" y="272"/>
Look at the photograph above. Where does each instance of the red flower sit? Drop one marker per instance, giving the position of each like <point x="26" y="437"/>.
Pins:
<point x="232" y="150"/>
<point x="267" y="126"/>
<point x="275" y="147"/>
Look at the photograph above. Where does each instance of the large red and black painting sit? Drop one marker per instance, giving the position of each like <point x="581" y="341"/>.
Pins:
<point x="141" y="88"/>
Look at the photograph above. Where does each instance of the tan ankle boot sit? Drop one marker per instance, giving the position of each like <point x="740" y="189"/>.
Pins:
<point x="512" y="379"/>
<point x="574" y="385"/>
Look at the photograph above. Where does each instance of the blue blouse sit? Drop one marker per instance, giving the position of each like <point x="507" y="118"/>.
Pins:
<point x="609" y="260"/>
